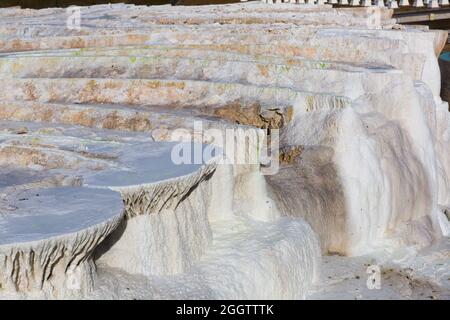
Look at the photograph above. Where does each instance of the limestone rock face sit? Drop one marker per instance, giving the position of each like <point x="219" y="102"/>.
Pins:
<point x="364" y="145"/>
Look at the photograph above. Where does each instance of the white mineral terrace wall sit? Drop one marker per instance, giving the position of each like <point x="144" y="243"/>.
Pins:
<point x="197" y="240"/>
<point x="364" y="139"/>
<point x="184" y="224"/>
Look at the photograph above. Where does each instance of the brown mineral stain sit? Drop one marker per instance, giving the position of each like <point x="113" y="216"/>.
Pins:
<point x="138" y="123"/>
<point x="83" y="118"/>
<point x="263" y="69"/>
<point x="289" y="154"/>
<point x="46" y="115"/>
<point x="90" y="92"/>
<point x="251" y="115"/>
<point x="23" y="156"/>
<point x="30" y="91"/>
<point x="113" y="85"/>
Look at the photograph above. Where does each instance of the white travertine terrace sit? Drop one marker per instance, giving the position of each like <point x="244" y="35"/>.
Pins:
<point x="59" y="204"/>
<point x="49" y="237"/>
<point x="365" y="140"/>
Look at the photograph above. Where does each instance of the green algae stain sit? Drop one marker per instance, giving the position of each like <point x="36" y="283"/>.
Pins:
<point x="35" y="141"/>
<point x="78" y="52"/>
<point x="16" y="67"/>
<point x="323" y="65"/>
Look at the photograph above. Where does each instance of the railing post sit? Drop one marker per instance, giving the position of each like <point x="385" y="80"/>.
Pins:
<point x="393" y="4"/>
<point x="433" y="4"/>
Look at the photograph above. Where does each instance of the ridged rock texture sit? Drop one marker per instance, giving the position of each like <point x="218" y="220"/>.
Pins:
<point x="364" y="145"/>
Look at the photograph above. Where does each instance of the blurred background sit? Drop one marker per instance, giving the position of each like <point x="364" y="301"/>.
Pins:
<point x="37" y="4"/>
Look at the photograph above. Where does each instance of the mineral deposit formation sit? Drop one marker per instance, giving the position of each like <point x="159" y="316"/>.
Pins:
<point x="92" y="204"/>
